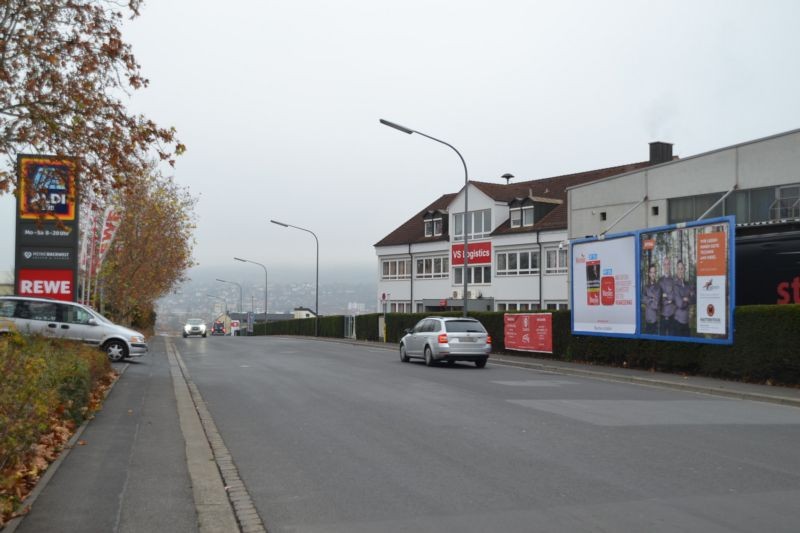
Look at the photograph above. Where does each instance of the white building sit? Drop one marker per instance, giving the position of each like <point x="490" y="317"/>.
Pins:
<point x="757" y="181"/>
<point x="517" y="259"/>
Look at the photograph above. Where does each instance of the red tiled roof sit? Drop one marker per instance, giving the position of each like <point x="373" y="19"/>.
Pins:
<point x="554" y="188"/>
<point x="413" y="231"/>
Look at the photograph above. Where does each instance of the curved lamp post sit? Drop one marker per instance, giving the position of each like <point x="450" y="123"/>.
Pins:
<point x="316" y="283"/>
<point x="240" y="291"/>
<point x="266" y="280"/>
<point x="466" y="198"/>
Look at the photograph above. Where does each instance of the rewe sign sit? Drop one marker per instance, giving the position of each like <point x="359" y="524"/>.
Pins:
<point x="56" y="284"/>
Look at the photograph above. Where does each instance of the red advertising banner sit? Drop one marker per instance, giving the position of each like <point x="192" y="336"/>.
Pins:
<point x="529" y="332"/>
<point x="56" y="284"/>
<point x="480" y="253"/>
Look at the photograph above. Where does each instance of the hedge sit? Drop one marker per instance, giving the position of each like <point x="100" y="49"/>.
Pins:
<point x="44" y="382"/>
<point x="766" y="343"/>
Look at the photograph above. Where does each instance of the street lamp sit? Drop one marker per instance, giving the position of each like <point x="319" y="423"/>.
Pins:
<point x="466" y="197"/>
<point x="240" y="291"/>
<point x="316" y="283"/>
<point x="266" y="279"/>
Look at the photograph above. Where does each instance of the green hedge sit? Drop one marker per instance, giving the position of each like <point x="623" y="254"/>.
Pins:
<point x="329" y="326"/>
<point x="44" y="382"/>
<point x="766" y="343"/>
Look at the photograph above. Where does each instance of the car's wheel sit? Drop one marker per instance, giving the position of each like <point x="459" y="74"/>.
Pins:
<point x="480" y="363"/>
<point x="403" y="355"/>
<point x="185" y="335"/>
<point x="428" y="356"/>
<point x="116" y="350"/>
<point x="204" y="335"/>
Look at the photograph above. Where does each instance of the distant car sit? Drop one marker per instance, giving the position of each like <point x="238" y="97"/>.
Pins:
<point x="448" y="339"/>
<point x="218" y="328"/>
<point x="194" y="326"/>
<point x="69" y="320"/>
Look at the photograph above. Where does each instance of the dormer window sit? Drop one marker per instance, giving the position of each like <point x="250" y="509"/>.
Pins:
<point x="521" y="213"/>
<point x="433" y="224"/>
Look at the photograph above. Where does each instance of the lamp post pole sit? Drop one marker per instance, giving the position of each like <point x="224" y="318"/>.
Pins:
<point x="465" y="271"/>
<point x="240" y="291"/>
<point x="316" y="283"/>
<point x="266" y="280"/>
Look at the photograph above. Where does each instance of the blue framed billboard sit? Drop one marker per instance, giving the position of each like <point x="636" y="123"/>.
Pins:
<point x="683" y="277"/>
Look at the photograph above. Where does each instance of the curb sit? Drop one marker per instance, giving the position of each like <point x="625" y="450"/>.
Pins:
<point x="30" y="500"/>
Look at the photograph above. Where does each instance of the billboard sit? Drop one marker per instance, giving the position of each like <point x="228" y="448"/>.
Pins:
<point x="687" y="281"/>
<point x="668" y="283"/>
<point x="604" y="281"/>
<point x="46" y="256"/>
<point x="770" y="262"/>
<point x="528" y="332"/>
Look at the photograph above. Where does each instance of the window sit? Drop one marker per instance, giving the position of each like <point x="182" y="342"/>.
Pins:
<point x="787" y="204"/>
<point x="75" y="315"/>
<point x="556" y="305"/>
<point x="396" y="269"/>
<point x="518" y="306"/>
<point x="479" y="224"/>
<point x="433" y="226"/>
<point x="527" y="215"/>
<point x="476" y="274"/>
<point x="7" y="308"/>
<point x="517" y="263"/>
<point x="556" y="261"/>
<point x="39" y="310"/>
<point x="400" y="307"/>
<point x="516" y="218"/>
<point x="433" y="267"/>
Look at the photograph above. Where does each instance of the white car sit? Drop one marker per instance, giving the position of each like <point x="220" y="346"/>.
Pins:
<point x="448" y="339"/>
<point x="69" y="320"/>
<point x="194" y="326"/>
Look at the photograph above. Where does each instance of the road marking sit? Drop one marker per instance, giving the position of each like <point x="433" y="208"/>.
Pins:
<point x="536" y="383"/>
<point x="213" y="473"/>
<point x="666" y="413"/>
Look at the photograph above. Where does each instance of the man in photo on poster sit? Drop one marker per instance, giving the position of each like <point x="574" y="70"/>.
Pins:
<point x="684" y="295"/>
<point x="667" y="285"/>
<point x="651" y="296"/>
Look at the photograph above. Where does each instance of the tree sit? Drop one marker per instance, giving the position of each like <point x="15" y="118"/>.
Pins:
<point x="152" y="249"/>
<point x="63" y="68"/>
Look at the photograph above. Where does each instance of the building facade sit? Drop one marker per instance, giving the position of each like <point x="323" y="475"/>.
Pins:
<point x="516" y="234"/>
<point x="758" y="182"/>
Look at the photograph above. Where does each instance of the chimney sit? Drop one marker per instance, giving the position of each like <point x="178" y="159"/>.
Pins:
<point x="660" y="152"/>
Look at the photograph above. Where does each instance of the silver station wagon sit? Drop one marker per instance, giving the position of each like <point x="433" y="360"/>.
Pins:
<point x="448" y="339"/>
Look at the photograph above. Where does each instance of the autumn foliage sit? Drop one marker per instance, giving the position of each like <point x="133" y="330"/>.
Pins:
<point x="152" y="249"/>
<point x="64" y="70"/>
<point x="49" y="387"/>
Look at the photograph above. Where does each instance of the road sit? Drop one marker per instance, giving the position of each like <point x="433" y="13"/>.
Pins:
<point x="334" y="437"/>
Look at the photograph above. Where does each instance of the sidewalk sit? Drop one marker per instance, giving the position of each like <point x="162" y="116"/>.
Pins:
<point x="704" y="385"/>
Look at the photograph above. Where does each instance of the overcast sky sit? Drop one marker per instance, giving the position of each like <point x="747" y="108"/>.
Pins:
<point x="278" y="103"/>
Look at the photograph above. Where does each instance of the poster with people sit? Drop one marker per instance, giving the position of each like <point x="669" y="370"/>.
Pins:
<point x="686" y="282"/>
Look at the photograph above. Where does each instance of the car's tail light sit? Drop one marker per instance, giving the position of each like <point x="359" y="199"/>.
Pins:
<point x="443" y="338"/>
<point x="488" y="339"/>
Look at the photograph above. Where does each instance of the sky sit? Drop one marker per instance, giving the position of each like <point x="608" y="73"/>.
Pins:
<point x="278" y="104"/>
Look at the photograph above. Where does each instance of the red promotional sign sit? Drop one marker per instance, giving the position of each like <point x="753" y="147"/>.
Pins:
<point x="529" y="332"/>
<point x="56" y="284"/>
<point x="479" y="253"/>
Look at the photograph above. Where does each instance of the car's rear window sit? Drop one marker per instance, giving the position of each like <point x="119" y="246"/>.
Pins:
<point x="461" y="326"/>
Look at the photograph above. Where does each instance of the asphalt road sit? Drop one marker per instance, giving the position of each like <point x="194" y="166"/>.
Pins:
<point x="333" y="437"/>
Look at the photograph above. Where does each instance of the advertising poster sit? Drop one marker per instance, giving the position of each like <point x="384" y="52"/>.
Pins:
<point x="47" y="221"/>
<point x="686" y="278"/>
<point x="528" y="332"/>
<point x="604" y="286"/>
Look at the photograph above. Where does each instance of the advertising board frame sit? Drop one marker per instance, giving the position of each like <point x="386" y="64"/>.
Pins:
<point x="628" y="234"/>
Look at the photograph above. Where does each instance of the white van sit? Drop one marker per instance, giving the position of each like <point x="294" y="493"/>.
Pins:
<point x="69" y="320"/>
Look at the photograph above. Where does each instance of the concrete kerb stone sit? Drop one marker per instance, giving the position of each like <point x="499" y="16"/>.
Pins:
<point x="227" y="481"/>
<point x="14" y="523"/>
<point x="497" y="359"/>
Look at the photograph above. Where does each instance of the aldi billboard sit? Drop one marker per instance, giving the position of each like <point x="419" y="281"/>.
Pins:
<point x="46" y="257"/>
